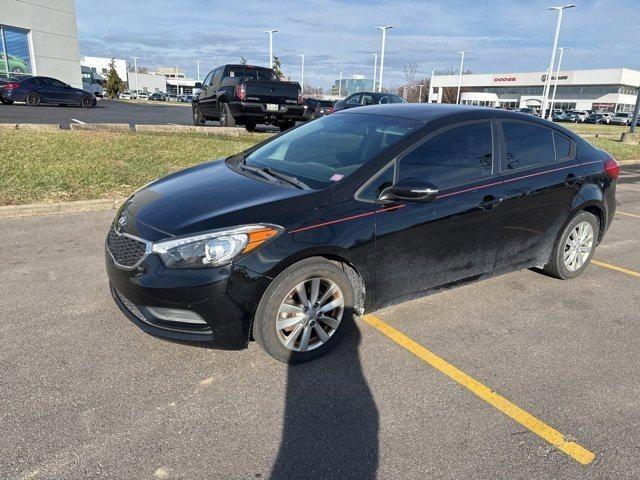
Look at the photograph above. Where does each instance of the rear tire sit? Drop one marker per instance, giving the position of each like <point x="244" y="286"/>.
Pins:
<point x="33" y="99"/>
<point x="282" y="334"/>
<point x="198" y="118"/>
<point x="250" y="126"/>
<point x="6" y="101"/>
<point x="575" y="247"/>
<point x="226" y="118"/>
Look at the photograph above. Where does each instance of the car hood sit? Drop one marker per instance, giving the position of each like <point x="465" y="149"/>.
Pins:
<point x="212" y="196"/>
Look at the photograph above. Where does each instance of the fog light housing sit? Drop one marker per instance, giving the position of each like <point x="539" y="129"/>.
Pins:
<point x="176" y="315"/>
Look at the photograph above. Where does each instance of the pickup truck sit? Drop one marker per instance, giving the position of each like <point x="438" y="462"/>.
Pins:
<point x="247" y="95"/>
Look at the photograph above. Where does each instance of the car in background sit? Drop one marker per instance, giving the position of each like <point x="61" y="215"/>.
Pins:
<point x="92" y="81"/>
<point x="247" y="95"/>
<point x="286" y="242"/>
<point x="317" y="108"/>
<point x="172" y="97"/>
<point x="577" y="116"/>
<point x="126" y="95"/>
<point x="621" y="118"/>
<point x="36" y="91"/>
<point x="361" y="99"/>
<point x="560" y="116"/>
<point x="156" y="96"/>
<point x="143" y="95"/>
<point x="527" y="110"/>
<point x="186" y="98"/>
<point x="598" y="118"/>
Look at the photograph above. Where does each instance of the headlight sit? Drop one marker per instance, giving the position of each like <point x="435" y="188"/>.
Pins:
<point x="214" y="249"/>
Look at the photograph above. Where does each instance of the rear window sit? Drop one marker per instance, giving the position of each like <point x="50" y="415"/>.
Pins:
<point x="563" y="146"/>
<point x="252" y="73"/>
<point x="527" y="145"/>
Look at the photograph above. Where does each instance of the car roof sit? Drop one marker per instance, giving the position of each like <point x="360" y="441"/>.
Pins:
<point x="424" y="112"/>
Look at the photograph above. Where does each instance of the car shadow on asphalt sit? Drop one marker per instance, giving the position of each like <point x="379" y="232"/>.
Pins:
<point x="330" y="420"/>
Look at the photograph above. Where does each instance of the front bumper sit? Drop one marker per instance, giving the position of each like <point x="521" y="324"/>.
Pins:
<point x="225" y="298"/>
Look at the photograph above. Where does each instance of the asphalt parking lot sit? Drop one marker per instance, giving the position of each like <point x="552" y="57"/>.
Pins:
<point x="107" y="111"/>
<point x="85" y="394"/>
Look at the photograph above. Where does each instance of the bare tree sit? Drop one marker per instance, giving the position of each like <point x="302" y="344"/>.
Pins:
<point x="409" y="71"/>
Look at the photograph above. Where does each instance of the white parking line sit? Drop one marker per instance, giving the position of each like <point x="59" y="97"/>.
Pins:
<point x="78" y="121"/>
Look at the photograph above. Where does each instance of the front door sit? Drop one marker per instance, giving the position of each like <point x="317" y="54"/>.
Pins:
<point x="542" y="177"/>
<point x="420" y="246"/>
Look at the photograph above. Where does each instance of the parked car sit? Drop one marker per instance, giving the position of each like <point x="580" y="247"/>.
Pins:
<point x="35" y="91"/>
<point x="528" y="111"/>
<point x="577" y="116"/>
<point x="126" y="95"/>
<point x="172" y="97"/>
<point x="142" y="95"/>
<point x="92" y="81"/>
<point x="317" y="108"/>
<point x="560" y="116"/>
<point x="367" y="98"/>
<point x="597" y="118"/>
<point x="157" y="96"/>
<point x="621" y="118"/>
<point x="186" y="98"/>
<point x="285" y="242"/>
<point x="247" y="95"/>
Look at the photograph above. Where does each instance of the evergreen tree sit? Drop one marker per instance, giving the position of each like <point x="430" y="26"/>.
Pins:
<point x="114" y="84"/>
<point x="277" y="67"/>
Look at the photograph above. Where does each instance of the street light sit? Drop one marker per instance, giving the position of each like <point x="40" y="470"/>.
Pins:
<point x="555" y="83"/>
<point x="135" y="70"/>
<point x="271" y="32"/>
<point x="384" y="36"/>
<point x="547" y="82"/>
<point x="420" y="94"/>
<point x="198" y="62"/>
<point x="375" y="69"/>
<point x="433" y="74"/>
<point x="177" y="86"/>
<point x="302" y="73"/>
<point x="340" y="84"/>
<point x="460" y="75"/>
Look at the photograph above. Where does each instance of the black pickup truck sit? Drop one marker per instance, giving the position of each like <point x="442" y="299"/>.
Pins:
<point x="247" y="95"/>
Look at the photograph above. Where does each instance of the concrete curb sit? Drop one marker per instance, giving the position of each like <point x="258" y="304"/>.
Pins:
<point x="104" y="127"/>
<point x="38" y="127"/>
<point x="225" y="131"/>
<point x="8" y="126"/>
<point x="33" y="209"/>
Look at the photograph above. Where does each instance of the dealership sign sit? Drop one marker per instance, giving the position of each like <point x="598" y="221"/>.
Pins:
<point x="506" y="78"/>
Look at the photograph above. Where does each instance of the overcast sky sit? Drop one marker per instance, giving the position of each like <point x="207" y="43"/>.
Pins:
<point x="500" y="35"/>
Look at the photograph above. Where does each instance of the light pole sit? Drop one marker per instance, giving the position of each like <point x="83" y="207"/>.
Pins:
<point x="135" y="71"/>
<point x="460" y="75"/>
<point x="555" y="83"/>
<point x="547" y="82"/>
<point x="198" y="62"/>
<point x="302" y="73"/>
<point x="340" y="84"/>
<point x="433" y="74"/>
<point x="375" y="69"/>
<point x="177" y="86"/>
<point x="636" y="111"/>
<point x="384" y="36"/>
<point x="271" y="32"/>
<point x="420" y="94"/>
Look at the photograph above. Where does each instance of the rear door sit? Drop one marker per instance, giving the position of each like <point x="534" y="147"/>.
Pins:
<point x="542" y="177"/>
<point x="47" y="91"/>
<point x="425" y="245"/>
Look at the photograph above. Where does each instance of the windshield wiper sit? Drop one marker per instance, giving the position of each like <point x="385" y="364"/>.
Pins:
<point x="259" y="171"/>
<point x="289" y="179"/>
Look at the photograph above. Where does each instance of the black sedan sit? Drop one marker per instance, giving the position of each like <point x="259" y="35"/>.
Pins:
<point x="286" y="242"/>
<point x="367" y="98"/>
<point x="36" y="91"/>
<point x="316" y="108"/>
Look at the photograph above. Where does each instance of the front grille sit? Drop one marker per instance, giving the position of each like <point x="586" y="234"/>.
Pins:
<point x="126" y="251"/>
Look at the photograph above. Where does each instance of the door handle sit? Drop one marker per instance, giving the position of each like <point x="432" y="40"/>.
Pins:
<point x="490" y="202"/>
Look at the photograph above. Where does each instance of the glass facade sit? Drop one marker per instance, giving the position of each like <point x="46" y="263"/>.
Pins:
<point x="15" y="54"/>
<point x="564" y="90"/>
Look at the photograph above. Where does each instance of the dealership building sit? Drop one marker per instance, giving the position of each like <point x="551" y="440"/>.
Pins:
<point x="40" y="37"/>
<point x="612" y="89"/>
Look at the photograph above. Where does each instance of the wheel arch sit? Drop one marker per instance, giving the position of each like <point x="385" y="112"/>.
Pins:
<point x="591" y="199"/>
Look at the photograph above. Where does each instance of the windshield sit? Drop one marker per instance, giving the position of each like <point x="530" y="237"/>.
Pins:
<point x="326" y="150"/>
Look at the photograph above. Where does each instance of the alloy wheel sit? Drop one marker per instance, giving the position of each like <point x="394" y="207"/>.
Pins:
<point x="310" y="314"/>
<point x="578" y="246"/>
<point x="33" y="99"/>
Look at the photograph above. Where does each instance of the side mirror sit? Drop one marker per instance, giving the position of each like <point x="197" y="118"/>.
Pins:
<point x="198" y="85"/>
<point x="411" y="190"/>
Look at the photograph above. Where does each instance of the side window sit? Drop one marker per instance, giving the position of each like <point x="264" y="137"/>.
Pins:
<point x="368" y="99"/>
<point x="381" y="180"/>
<point x="456" y="156"/>
<point x="354" y="99"/>
<point x="217" y="76"/>
<point x="562" y="145"/>
<point x="385" y="99"/>
<point x="527" y="145"/>
<point x="207" y="80"/>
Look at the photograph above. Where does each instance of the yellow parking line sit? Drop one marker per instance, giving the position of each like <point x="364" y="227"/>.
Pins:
<point x="575" y="451"/>
<point x="616" y="268"/>
<point x="628" y="214"/>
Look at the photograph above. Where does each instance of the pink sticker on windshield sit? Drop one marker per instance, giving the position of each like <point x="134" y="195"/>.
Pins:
<point x="336" y="177"/>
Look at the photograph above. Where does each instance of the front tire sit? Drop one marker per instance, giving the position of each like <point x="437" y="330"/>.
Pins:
<point x="250" y="126"/>
<point x="575" y="247"/>
<point x="33" y="99"/>
<point x="86" y="102"/>
<point x="302" y="314"/>
<point x="198" y="118"/>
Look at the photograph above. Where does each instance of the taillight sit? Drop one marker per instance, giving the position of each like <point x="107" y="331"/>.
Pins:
<point x="611" y="168"/>
<point x="11" y="86"/>
<point x="241" y="93"/>
<point x="300" y="101"/>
